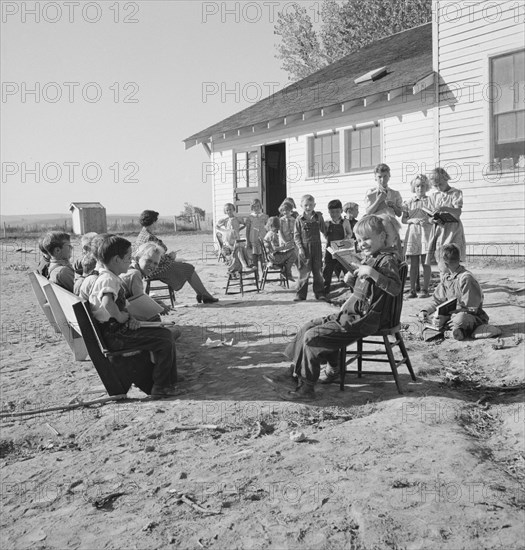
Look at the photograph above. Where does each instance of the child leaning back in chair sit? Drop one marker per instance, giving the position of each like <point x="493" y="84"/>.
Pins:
<point x="367" y="310"/>
<point x="120" y="331"/>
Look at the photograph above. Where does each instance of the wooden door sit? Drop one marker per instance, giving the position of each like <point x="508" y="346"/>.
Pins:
<point x="247" y="179"/>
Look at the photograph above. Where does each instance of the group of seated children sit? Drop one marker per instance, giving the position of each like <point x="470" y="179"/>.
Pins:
<point x="289" y="239"/>
<point x="107" y="288"/>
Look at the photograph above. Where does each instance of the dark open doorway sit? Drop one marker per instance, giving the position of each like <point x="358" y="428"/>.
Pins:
<point x="275" y="177"/>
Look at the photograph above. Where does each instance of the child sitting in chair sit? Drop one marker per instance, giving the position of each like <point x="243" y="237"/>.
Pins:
<point x="59" y="248"/>
<point x="233" y="247"/>
<point x="367" y="310"/>
<point x="120" y="331"/>
<point x="281" y="255"/>
<point x="457" y="282"/>
<point x="145" y="261"/>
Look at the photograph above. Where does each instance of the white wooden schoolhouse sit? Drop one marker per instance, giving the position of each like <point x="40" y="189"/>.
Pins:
<point x="448" y="93"/>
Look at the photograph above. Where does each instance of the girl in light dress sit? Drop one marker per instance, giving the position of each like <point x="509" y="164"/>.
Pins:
<point x="255" y="231"/>
<point x="445" y="199"/>
<point x="418" y="234"/>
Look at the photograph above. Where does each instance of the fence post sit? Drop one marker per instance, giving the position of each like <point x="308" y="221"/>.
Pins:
<point x="175" y="223"/>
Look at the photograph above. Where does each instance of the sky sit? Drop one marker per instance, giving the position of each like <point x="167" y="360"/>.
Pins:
<point x="98" y="96"/>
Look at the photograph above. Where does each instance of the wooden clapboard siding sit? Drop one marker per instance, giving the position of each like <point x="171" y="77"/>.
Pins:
<point x="222" y="182"/>
<point x="493" y="206"/>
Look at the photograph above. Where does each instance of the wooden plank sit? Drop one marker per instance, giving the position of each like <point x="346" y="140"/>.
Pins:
<point x="38" y="283"/>
<point x="62" y="312"/>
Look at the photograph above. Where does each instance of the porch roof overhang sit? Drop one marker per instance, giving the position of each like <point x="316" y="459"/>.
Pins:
<point x="407" y="57"/>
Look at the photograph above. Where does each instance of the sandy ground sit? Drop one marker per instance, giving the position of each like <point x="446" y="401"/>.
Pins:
<point x="441" y="466"/>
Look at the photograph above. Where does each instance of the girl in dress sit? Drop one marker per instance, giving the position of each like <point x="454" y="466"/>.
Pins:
<point x="445" y="199"/>
<point x="418" y="234"/>
<point x="255" y="231"/>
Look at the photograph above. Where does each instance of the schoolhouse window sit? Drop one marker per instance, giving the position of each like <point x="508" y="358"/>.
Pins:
<point x="323" y="155"/>
<point x="362" y="148"/>
<point x="247" y="169"/>
<point x="507" y="101"/>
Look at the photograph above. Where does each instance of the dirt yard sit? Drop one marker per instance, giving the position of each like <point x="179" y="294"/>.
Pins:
<point x="440" y="467"/>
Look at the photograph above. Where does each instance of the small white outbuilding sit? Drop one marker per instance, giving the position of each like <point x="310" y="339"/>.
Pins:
<point x="87" y="217"/>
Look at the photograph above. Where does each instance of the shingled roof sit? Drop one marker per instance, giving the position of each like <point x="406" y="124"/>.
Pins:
<point x="406" y="55"/>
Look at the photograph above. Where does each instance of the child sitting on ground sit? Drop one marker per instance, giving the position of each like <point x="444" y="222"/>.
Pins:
<point x="457" y="282"/>
<point x="367" y="310"/>
<point x="337" y="229"/>
<point x="280" y="255"/>
<point x="255" y="224"/>
<point x="120" y="331"/>
<point x="59" y="248"/>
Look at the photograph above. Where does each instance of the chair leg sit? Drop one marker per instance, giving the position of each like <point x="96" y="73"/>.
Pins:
<point x="392" y="360"/>
<point x="359" y="358"/>
<point x="342" y="368"/>
<point x="263" y="279"/>
<point x="241" y="283"/>
<point x="404" y="352"/>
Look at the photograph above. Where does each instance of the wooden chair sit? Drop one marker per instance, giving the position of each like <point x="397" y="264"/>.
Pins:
<point x="117" y="369"/>
<point x="61" y="302"/>
<point x="384" y="334"/>
<point x="270" y="269"/>
<point x="38" y="282"/>
<point x="220" y="241"/>
<point x="167" y="290"/>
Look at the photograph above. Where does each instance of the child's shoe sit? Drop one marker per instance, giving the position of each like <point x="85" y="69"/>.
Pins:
<point x="328" y="376"/>
<point x="298" y="299"/>
<point x="304" y="391"/>
<point x="321" y="297"/>
<point x="424" y="294"/>
<point x="412" y="294"/>
<point x="457" y="334"/>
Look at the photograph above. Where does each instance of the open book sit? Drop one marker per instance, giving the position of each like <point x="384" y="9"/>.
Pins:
<point x="444" y="217"/>
<point x="344" y="252"/>
<point x="443" y="310"/>
<point x="143" y="307"/>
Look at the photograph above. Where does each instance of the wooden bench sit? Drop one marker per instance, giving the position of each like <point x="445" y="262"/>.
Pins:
<point x="61" y="302"/>
<point x="38" y="282"/>
<point x="72" y="317"/>
<point x="117" y="369"/>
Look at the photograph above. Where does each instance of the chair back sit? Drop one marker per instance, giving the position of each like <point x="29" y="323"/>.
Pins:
<point x="397" y="301"/>
<point x="265" y="252"/>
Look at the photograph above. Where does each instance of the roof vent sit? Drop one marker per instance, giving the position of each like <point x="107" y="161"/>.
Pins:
<point x="376" y="74"/>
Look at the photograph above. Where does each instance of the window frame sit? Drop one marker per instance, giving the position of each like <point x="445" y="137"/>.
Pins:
<point x="335" y="136"/>
<point x="492" y="115"/>
<point x="246" y="170"/>
<point x="347" y="144"/>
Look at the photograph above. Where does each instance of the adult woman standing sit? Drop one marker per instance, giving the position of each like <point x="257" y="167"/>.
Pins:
<point x="171" y="272"/>
<point x="445" y="199"/>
